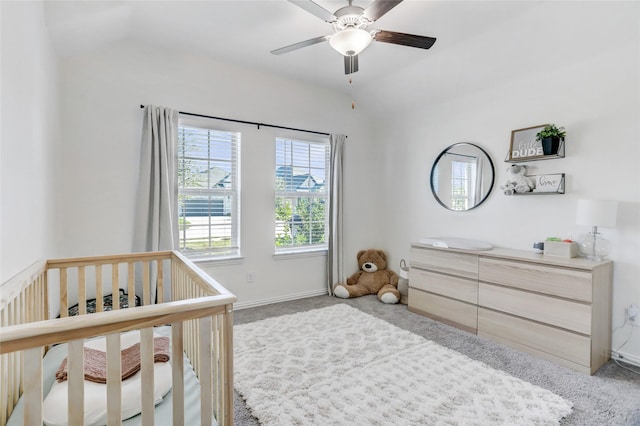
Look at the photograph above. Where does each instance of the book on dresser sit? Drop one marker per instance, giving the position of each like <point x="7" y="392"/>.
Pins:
<point x="553" y="307"/>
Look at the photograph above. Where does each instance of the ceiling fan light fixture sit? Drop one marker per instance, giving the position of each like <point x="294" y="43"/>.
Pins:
<point x="350" y="41"/>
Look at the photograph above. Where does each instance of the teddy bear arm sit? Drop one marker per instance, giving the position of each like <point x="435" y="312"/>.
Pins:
<point x="393" y="278"/>
<point x="353" y="279"/>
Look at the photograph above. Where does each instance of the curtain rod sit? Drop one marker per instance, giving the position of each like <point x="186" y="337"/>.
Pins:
<point x="253" y="123"/>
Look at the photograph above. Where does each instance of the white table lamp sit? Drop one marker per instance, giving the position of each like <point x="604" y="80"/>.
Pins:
<point x="596" y="213"/>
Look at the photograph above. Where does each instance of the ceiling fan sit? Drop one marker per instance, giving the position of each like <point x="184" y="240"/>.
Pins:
<point x="350" y="36"/>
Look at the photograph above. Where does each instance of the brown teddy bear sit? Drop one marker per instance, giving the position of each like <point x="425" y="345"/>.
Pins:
<point x="372" y="278"/>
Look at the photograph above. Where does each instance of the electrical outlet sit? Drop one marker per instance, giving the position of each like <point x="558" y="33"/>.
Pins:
<point x="251" y="277"/>
<point x="633" y="314"/>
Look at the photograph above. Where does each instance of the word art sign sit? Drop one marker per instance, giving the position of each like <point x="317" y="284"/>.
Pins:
<point x="524" y="144"/>
<point x="550" y="183"/>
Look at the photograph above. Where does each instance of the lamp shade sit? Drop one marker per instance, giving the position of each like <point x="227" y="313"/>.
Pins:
<point x="597" y="213"/>
<point x="350" y="41"/>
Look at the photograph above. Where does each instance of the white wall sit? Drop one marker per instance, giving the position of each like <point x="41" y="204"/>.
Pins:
<point x="597" y="99"/>
<point x="102" y="123"/>
<point x="30" y="134"/>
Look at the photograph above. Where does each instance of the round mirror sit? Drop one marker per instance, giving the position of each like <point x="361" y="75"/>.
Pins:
<point x="462" y="176"/>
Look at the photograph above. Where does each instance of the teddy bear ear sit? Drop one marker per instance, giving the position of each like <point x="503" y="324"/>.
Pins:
<point x="383" y="255"/>
<point x="360" y="253"/>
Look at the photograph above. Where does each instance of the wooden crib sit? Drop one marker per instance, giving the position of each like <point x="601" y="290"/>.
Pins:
<point x="199" y="312"/>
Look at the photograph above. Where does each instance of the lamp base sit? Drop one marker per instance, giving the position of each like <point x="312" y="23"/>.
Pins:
<point x="594" y="247"/>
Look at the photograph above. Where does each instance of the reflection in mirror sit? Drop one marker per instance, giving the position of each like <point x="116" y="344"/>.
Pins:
<point x="462" y="176"/>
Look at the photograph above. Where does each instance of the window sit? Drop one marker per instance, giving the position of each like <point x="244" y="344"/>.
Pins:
<point x="302" y="171"/>
<point x="462" y="182"/>
<point x="208" y="191"/>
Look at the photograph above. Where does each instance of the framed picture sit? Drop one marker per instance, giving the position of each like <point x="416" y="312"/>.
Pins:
<point x="524" y="145"/>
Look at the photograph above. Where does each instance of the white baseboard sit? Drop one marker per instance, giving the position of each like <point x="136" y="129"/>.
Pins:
<point x="626" y="358"/>
<point x="271" y="300"/>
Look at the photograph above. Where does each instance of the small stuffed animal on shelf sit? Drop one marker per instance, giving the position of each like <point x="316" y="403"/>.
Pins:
<point x="518" y="181"/>
<point x="372" y="278"/>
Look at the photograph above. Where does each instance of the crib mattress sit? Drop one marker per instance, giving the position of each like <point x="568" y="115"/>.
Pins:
<point x="163" y="410"/>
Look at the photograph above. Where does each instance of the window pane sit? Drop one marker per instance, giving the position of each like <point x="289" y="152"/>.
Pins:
<point x="300" y="205"/>
<point x="462" y="176"/>
<point x="207" y="207"/>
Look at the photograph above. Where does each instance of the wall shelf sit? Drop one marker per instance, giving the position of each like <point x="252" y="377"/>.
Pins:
<point x="553" y="184"/>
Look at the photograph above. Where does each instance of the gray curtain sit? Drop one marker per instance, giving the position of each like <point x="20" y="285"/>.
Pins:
<point x="335" y="258"/>
<point x="156" y="215"/>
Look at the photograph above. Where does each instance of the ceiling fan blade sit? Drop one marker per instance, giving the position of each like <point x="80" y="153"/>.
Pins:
<point x="379" y="8"/>
<point x="350" y="64"/>
<point x="300" y="45"/>
<point x="411" y="40"/>
<point x="315" y="9"/>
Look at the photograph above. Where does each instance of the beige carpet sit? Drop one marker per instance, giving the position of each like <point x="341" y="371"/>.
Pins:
<point x="338" y="365"/>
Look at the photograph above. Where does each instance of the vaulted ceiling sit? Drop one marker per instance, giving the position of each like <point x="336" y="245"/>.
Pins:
<point x="479" y="43"/>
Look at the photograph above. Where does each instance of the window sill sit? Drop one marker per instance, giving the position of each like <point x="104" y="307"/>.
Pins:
<point x="293" y="254"/>
<point x="218" y="261"/>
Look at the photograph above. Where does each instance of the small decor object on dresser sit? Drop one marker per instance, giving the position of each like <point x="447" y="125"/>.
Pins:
<point x="562" y="248"/>
<point x="550" y="138"/>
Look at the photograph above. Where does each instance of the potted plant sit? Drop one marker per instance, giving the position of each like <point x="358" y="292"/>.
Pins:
<point x="550" y="136"/>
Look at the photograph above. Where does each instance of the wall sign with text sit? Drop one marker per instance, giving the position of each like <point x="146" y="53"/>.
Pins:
<point x="550" y="183"/>
<point x="524" y="145"/>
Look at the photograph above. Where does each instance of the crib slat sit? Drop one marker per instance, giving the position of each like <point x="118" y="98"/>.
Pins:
<point x="114" y="380"/>
<point x="131" y="282"/>
<point x="64" y="304"/>
<point x="82" y="291"/>
<point x="146" y="371"/>
<point x="33" y="387"/>
<point x="4" y="387"/>
<point x="18" y="384"/>
<point x="26" y="305"/>
<point x="206" y="373"/>
<point x="99" y="290"/>
<point x="75" y="367"/>
<point x="226" y="344"/>
<point x="14" y="391"/>
<point x="218" y="385"/>
<point x="6" y="365"/>
<point x="115" y="285"/>
<point x="160" y="286"/>
<point x="177" y="373"/>
<point x="146" y="286"/>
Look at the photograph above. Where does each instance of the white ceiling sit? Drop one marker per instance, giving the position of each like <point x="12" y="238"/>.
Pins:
<point x="479" y="43"/>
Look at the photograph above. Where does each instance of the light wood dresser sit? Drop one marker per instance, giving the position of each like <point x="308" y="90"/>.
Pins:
<point x="553" y="307"/>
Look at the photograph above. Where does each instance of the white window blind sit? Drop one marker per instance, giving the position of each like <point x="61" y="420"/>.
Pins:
<point x="462" y="184"/>
<point x="208" y="193"/>
<point x="302" y="184"/>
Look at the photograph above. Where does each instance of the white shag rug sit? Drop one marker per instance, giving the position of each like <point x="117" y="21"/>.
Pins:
<point x="340" y="366"/>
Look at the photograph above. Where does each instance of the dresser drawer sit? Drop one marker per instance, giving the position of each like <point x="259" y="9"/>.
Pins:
<point x="537" y="337"/>
<point x="549" y="310"/>
<point x="459" y="314"/>
<point x="448" y="262"/>
<point x="445" y="285"/>
<point x="562" y="282"/>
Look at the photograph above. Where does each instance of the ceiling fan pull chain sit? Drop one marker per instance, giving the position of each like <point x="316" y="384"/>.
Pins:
<point x="353" y="103"/>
